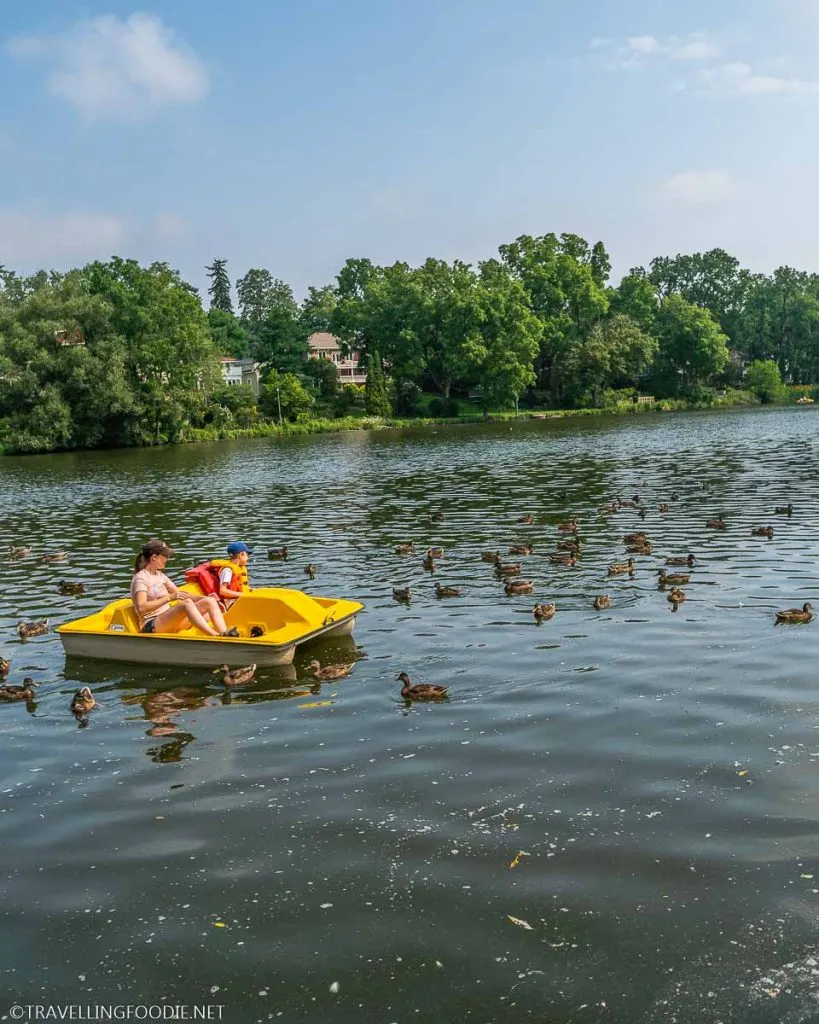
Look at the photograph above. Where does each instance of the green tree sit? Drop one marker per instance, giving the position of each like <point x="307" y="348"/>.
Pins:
<point x="376" y="396"/>
<point x="616" y="352"/>
<point x="316" y="312"/>
<point x="270" y="314"/>
<point x="219" y="289"/>
<point x="636" y="298"/>
<point x="325" y="375"/>
<point x="692" y="348"/>
<point x="287" y="389"/>
<point x="764" y="379"/>
<point x="229" y="336"/>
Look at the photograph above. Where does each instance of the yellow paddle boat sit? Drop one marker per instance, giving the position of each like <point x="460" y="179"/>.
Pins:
<point x="271" y="622"/>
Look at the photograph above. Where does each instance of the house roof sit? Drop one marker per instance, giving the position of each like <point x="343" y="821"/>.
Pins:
<point x="323" y="339"/>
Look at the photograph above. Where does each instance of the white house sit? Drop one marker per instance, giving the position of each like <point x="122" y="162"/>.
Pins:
<point x="241" y="371"/>
<point x="326" y="346"/>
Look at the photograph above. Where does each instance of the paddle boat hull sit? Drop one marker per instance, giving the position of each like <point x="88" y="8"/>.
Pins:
<point x="288" y="618"/>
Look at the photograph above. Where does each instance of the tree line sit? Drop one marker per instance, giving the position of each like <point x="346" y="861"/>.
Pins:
<point x="116" y="354"/>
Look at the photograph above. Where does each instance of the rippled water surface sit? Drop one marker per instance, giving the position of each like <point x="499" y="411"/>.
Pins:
<point x="613" y="818"/>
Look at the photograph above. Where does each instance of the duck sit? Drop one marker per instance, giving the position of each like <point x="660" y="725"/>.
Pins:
<point x="564" y="558"/>
<point x="570" y="526"/>
<point x="805" y="614"/>
<point x="277" y="554"/>
<point x="421" y="691"/>
<point x="25" y="630"/>
<point x="620" y="568"/>
<point x="491" y="556"/>
<point x="56" y="556"/>
<point x="5" y="666"/>
<point x="664" y="508"/>
<point x="675" y="496"/>
<point x="437" y="517"/>
<point x="601" y="602"/>
<point x="435" y="552"/>
<point x="673" y="578"/>
<point x="447" y="591"/>
<point x="570" y="544"/>
<point x="509" y="569"/>
<point x="236" y="676"/>
<point x="527" y="520"/>
<point x="784" y="510"/>
<point x="636" y="538"/>
<point x="19" y="552"/>
<point x="522" y="549"/>
<point x="518" y="587"/>
<point x="544" y="612"/>
<point x="404" y="549"/>
<point x="311" y="570"/>
<point x="681" y="560"/>
<point x="9" y="694"/>
<point x="71" y="588"/>
<point x="639" y="549"/>
<point x="330" y="671"/>
<point x="676" y="596"/>
<point x="716" y="524"/>
<point x="83" y="701"/>
<point x="762" y="531"/>
<point x="429" y="563"/>
<point x="608" y="509"/>
<point x="402" y="594"/>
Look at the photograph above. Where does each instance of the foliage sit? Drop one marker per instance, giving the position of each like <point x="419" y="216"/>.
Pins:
<point x="325" y="375"/>
<point x="376" y="396"/>
<point x="295" y="400"/>
<point x="692" y="348"/>
<point x="219" y="289"/>
<point x="764" y="379"/>
<point x="229" y="336"/>
<point x="270" y="315"/>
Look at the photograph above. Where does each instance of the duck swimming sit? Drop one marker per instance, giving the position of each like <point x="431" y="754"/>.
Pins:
<point x="544" y="612"/>
<point x="784" y="510"/>
<point x="421" y="691"/>
<point x="620" y="568"/>
<point x="570" y="544"/>
<point x="803" y="614"/>
<point x="428" y="563"/>
<point x="71" y="588"/>
<point x="676" y="596"/>
<point x="236" y="676"/>
<point x="402" y="594"/>
<point x="601" y="602"/>
<point x="83" y="701"/>
<point x="447" y="591"/>
<point x="57" y="556"/>
<point x="404" y="549"/>
<point x="762" y="531"/>
<point x="311" y="570"/>
<point x="522" y="549"/>
<point x="564" y="558"/>
<point x="664" y="507"/>
<point x="639" y="549"/>
<point x="19" y="552"/>
<point x="681" y="560"/>
<point x="635" y="538"/>
<point x="716" y="524"/>
<point x="26" y="630"/>
<point x="509" y="569"/>
<point x="435" y="552"/>
<point x="10" y="694"/>
<point x="674" y="578"/>
<point x="491" y="556"/>
<point x="275" y="554"/>
<point x="518" y="587"/>
<point x="330" y="671"/>
<point x="527" y="520"/>
<point x="568" y="527"/>
<point x="4" y="668"/>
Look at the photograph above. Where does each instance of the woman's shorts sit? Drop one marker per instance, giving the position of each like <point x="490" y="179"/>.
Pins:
<point x="149" y="627"/>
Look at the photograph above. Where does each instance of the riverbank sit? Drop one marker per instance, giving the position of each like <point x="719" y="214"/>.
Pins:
<point x="327" y="425"/>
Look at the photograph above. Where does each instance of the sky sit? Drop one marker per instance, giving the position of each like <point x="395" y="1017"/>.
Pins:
<point x="294" y="134"/>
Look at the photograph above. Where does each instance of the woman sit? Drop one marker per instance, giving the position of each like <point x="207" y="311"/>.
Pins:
<point x="152" y="592"/>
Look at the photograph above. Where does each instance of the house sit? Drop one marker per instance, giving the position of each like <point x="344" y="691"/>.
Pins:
<point x="326" y="346"/>
<point x="241" y="371"/>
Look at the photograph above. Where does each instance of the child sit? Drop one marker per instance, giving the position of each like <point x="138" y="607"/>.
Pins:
<point x="233" y="579"/>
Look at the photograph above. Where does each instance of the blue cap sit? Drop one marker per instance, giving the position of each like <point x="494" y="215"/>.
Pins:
<point x="238" y="546"/>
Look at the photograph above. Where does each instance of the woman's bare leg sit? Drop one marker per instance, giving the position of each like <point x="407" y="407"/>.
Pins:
<point x="210" y="606"/>
<point x="181" y="615"/>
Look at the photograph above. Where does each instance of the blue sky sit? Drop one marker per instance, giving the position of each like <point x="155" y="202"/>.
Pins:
<point x="292" y="135"/>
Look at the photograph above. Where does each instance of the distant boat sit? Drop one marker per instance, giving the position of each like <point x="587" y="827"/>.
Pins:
<point x="804" y="400"/>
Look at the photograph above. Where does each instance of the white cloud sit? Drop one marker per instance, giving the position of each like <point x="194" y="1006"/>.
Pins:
<point x="643" y="44"/>
<point x="118" y="70"/>
<point x="700" y="49"/>
<point x="640" y="50"/>
<point x="34" y="239"/>
<point x="739" y="79"/>
<point x="698" y="188"/>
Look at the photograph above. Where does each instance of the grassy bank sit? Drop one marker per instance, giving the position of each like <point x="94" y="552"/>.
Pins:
<point x="328" y="425"/>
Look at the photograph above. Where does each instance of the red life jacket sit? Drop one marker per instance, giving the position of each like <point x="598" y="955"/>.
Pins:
<point x="205" y="576"/>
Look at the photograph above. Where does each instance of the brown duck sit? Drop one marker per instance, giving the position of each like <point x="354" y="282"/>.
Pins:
<point x="311" y="570"/>
<point x="404" y="549"/>
<point x="421" y="691"/>
<point x="527" y="520"/>
<point x="9" y="694"/>
<point x="4" y="668"/>
<point x="509" y="568"/>
<point x="621" y="568"/>
<point x="803" y="614"/>
<point x="639" y="549"/>
<point x="544" y="612"/>
<point x="518" y="587"/>
<point x="601" y="602"/>
<point x="676" y="596"/>
<point x="522" y="549"/>
<point x="716" y="524"/>
<point x="635" y="538"/>
<point x="71" y="588"/>
<point x="19" y="552"/>
<point x="83" y="701"/>
<point x="402" y="594"/>
<point x="56" y="556"/>
<point x="674" y="578"/>
<point x="435" y="552"/>
<point x="681" y="560"/>
<point x="447" y="591"/>
<point x="330" y="671"/>
<point x="570" y="544"/>
<point x="568" y="527"/>
<point x="428" y="563"/>
<point x="491" y="556"/>
<point x="277" y="554"/>
<point x="784" y="510"/>
<point x="564" y="558"/>
<point x="26" y="630"/>
<point x="236" y="676"/>
<point x="762" y="531"/>
<point x="664" y="508"/>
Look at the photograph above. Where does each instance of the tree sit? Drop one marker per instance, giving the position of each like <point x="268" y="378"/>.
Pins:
<point x="287" y="389"/>
<point x="229" y="336"/>
<point x="615" y="352"/>
<point x="316" y="312"/>
<point x="763" y="378"/>
<point x="270" y="314"/>
<point x="325" y="374"/>
<point x="636" y="297"/>
<point x="692" y="347"/>
<point x="376" y="397"/>
<point x="219" y="289"/>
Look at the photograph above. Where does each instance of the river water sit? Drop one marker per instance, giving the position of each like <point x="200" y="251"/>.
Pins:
<point x="613" y="818"/>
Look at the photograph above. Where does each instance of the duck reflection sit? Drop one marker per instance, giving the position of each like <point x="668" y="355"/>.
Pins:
<point x="161" y="708"/>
